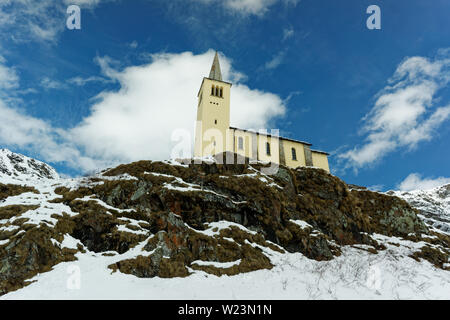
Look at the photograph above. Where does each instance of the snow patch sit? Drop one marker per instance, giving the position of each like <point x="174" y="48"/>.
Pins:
<point x="222" y="265"/>
<point x="302" y="224"/>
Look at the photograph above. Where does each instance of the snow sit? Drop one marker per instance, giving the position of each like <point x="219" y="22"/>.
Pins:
<point x="103" y="204"/>
<point x="434" y="205"/>
<point x="46" y="208"/>
<point x="122" y="177"/>
<point x="19" y="169"/>
<point x="302" y="224"/>
<point x="8" y="228"/>
<point x="356" y="274"/>
<point x="230" y="239"/>
<point x="123" y="228"/>
<point x="70" y="242"/>
<point x="222" y="265"/>
<point x="223" y="224"/>
<point x="157" y="174"/>
<point x="174" y="162"/>
<point x="192" y="187"/>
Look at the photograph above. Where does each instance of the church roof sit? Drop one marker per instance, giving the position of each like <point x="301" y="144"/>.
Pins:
<point x="319" y="151"/>
<point x="215" y="72"/>
<point x="270" y="135"/>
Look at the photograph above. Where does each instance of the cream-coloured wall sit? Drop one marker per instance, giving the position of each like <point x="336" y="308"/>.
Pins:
<point x="210" y="109"/>
<point x="274" y="149"/>
<point x="320" y="160"/>
<point x="248" y="145"/>
<point x="287" y="146"/>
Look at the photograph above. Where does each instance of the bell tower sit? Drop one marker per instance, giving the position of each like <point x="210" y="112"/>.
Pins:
<point x="213" y="114"/>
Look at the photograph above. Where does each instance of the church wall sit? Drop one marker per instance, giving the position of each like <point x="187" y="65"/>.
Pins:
<point x="320" y="160"/>
<point x="248" y="143"/>
<point x="274" y="149"/>
<point x="288" y="145"/>
<point x="197" y="143"/>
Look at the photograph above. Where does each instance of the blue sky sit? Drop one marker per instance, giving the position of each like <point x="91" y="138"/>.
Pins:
<point x="115" y="91"/>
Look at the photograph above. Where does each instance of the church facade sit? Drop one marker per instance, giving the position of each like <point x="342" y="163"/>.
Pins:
<point x="213" y="133"/>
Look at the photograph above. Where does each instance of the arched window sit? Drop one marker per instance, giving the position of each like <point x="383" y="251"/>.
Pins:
<point x="294" y="154"/>
<point x="217" y="91"/>
<point x="241" y="143"/>
<point x="221" y="92"/>
<point x="212" y="90"/>
<point x="215" y="121"/>
<point x="268" y="148"/>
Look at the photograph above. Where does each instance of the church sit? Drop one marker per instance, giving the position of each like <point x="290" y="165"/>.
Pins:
<point x="213" y="133"/>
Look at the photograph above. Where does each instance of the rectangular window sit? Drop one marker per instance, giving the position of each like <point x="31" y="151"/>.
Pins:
<point x="241" y="143"/>
<point x="268" y="148"/>
<point x="294" y="154"/>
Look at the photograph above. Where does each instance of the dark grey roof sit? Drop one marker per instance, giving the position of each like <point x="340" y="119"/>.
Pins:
<point x="270" y="135"/>
<point x="215" y="72"/>
<point x="318" y="151"/>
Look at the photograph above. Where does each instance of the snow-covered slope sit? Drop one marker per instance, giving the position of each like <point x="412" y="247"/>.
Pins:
<point x="17" y="168"/>
<point x="114" y="235"/>
<point x="356" y="274"/>
<point x="433" y="204"/>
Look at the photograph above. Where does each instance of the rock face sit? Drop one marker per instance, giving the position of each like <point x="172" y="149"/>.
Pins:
<point x="218" y="218"/>
<point x="17" y="166"/>
<point x="433" y="205"/>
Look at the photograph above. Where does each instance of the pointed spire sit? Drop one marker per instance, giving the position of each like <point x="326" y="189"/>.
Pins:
<point x="215" y="73"/>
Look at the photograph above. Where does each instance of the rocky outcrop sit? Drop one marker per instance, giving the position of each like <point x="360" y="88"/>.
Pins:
<point x="433" y="205"/>
<point x="18" y="166"/>
<point x="29" y="253"/>
<point x="218" y="218"/>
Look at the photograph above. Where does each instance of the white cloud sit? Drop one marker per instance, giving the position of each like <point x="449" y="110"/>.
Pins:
<point x="133" y="44"/>
<point x="25" y="20"/>
<point x="27" y="132"/>
<point x="48" y="83"/>
<point x="376" y="188"/>
<point x="8" y="76"/>
<point x="415" y="182"/>
<point x="288" y="33"/>
<point x="32" y="20"/>
<point x="276" y="60"/>
<point x="137" y="121"/>
<point x="249" y="7"/>
<point x="79" y="81"/>
<point x="405" y="112"/>
<point x="23" y="131"/>
<point x="45" y="20"/>
<point x="84" y="3"/>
